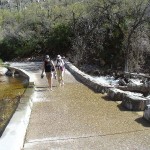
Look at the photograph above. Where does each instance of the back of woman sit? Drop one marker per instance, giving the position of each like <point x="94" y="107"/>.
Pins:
<point x="60" y="70"/>
<point x="60" y="64"/>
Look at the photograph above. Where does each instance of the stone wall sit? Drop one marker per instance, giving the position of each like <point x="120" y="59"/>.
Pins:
<point x="16" y="71"/>
<point x="135" y="103"/>
<point x="147" y="113"/>
<point x="86" y="79"/>
<point x="129" y="100"/>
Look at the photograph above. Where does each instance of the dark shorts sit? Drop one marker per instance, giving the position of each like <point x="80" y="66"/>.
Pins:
<point x="48" y="74"/>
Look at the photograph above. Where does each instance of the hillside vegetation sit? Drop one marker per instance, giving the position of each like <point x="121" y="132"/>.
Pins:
<point x="111" y="34"/>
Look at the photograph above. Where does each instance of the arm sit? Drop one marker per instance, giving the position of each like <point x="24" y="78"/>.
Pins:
<point x="63" y="63"/>
<point x="53" y="65"/>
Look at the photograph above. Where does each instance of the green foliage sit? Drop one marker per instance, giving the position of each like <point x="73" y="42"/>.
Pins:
<point x="82" y="29"/>
<point x="44" y="30"/>
<point x="1" y="61"/>
<point x="59" y="39"/>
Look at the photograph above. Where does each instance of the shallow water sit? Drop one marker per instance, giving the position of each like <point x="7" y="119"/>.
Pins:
<point x="10" y="87"/>
<point x="10" y="91"/>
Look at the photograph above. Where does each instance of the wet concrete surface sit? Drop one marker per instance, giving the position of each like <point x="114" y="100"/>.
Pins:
<point x="73" y="117"/>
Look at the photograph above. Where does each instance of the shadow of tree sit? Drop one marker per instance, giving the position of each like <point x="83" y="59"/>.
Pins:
<point x="38" y="87"/>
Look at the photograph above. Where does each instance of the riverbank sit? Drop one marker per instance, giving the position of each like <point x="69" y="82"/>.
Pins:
<point x="15" y="130"/>
<point x="11" y="90"/>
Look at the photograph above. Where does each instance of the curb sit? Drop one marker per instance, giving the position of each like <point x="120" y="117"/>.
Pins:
<point x="24" y="74"/>
<point x="86" y="79"/>
<point x="14" y="133"/>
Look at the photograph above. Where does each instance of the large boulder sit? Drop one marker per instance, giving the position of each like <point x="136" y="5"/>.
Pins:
<point x="130" y="100"/>
<point x="3" y="70"/>
<point x="136" y="103"/>
<point x="9" y="73"/>
<point x="147" y="113"/>
<point x="143" y="88"/>
<point x="116" y="94"/>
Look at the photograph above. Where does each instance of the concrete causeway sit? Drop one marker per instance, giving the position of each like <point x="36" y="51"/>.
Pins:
<point x="73" y="117"/>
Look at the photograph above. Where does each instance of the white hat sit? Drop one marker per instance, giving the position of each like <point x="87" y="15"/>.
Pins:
<point x="58" y="57"/>
<point x="47" y="57"/>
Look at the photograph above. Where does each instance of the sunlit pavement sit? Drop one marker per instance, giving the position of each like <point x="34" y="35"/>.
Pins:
<point x="73" y="117"/>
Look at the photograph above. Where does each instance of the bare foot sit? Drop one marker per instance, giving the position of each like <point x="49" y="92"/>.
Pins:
<point x="50" y="89"/>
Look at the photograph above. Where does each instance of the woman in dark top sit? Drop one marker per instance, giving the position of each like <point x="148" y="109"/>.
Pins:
<point x="48" y="67"/>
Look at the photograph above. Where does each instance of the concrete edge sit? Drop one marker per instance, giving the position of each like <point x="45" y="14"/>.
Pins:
<point x="86" y="79"/>
<point x="24" y="74"/>
<point x="14" y="133"/>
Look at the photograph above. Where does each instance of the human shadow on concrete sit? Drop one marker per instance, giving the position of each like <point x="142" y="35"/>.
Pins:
<point x="143" y="122"/>
<point x="43" y="87"/>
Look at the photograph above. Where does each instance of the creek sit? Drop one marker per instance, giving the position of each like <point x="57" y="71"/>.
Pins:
<point x="11" y="89"/>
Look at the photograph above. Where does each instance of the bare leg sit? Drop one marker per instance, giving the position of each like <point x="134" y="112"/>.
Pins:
<point x="62" y="75"/>
<point x="49" y="78"/>
<point x="59" y="77"/>
<point x="50" y="83"/>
